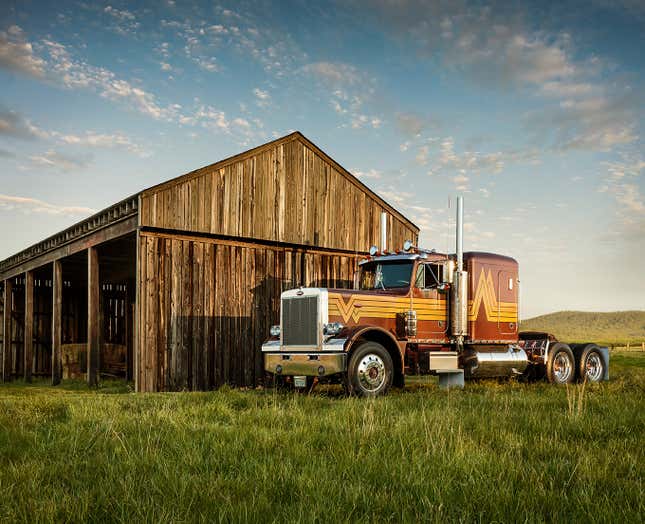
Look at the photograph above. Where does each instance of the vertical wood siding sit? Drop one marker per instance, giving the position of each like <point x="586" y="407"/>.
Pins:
<point x="207" y="306"/>
<point x="286" y="191"/>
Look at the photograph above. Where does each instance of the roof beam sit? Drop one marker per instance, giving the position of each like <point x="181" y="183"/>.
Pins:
<point x="110" y="232"/>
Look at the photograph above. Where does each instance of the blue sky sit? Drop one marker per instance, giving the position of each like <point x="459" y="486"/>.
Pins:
<point x="534" y="112"/>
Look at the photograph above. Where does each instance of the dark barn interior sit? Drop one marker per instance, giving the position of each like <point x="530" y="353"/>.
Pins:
<point x="176" y="287"/>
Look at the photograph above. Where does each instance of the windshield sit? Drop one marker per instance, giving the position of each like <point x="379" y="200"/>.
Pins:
<point x="386" y="275"/>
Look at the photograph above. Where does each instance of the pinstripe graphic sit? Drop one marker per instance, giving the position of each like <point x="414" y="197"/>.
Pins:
<point x="495" y="311"/>
<point x="384" y="307"/>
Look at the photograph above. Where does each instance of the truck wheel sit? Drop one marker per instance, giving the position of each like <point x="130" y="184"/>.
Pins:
<point x="560" y="367"/>
<point x="370" y="371"/>
<point x="591" y="367"/>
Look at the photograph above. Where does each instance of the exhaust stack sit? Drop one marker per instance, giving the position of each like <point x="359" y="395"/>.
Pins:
<point x="383" y="232"/>
<point x="460" y="234"/>
<point x="459" y="302"/>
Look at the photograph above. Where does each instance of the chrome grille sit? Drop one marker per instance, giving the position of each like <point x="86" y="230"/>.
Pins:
<point x="300" y="321"/>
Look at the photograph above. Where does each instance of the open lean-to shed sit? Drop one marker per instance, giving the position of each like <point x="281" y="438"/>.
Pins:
<point x="176" y="287"/>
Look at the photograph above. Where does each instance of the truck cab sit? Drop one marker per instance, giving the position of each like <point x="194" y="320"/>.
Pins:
<point x="411" y="312"/>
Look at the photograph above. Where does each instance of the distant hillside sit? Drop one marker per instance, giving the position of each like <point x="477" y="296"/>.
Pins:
<point x="577" y="326"/>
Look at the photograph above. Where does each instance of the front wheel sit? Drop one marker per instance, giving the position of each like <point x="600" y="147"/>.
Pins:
<point x="560" y="366"/>
<point x="592" y="364"/>
<point x="370" y="371"/>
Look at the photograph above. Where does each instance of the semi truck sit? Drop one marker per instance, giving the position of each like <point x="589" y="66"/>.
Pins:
<point x="417" y="312"/>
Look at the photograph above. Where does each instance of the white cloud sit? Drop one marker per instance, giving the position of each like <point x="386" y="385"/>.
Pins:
<point x="102" y="140"/>
<point x="411" y="124"/>
<point x="124" y="21"/>
<point x="423" y="154"/>
<point x="260" y="94"/>
<point x="560" y="89"/>
<point x="625" y="186"/>
<point x="31" y="205"/>
<point x="599" y="123"/>
<point x="54" y="160"/>
<point x="121" y="14"/>
<point x="15" y="125"/>
<point x="208" y="64"/>
<point x="263" y="98"/>
<point x="371" y="173"/>
<point x="335" y="73"/>
<point x="461" y="182"/>
<point x="17" y="54"/>
<point x="76" y="74"/>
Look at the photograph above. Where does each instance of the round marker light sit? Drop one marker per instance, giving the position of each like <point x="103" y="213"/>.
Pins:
<point x="275" y="331"/>
<point x="373" y="251"/>
<point x="278" y="369"/>
<point x="321" y="370"/>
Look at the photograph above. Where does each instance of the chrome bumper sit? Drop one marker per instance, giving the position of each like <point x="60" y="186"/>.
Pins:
<point x="312" y="364"/>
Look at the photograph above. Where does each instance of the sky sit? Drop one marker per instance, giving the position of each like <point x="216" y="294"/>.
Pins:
<point x="532" y="111"/>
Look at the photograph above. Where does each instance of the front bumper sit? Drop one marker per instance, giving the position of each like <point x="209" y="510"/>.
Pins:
<point x="307" y="364"/>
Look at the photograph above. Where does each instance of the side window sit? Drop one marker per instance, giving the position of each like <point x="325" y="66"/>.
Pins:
<point x="433" y="275"/>
<point x="420" y="280"/>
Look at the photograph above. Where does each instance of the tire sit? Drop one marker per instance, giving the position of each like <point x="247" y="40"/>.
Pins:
<point x="370" y="371"/>
<point x="560" y="366"/>
<point x="592" y="365"/>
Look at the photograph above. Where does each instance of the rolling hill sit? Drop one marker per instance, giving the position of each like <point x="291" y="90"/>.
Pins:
<point x="616" y="328"/>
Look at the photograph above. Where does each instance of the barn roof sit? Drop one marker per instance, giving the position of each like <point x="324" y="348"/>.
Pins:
<point x="125" y="211"/>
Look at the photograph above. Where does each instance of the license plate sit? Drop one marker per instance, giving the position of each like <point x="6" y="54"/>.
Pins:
<point x="300" y="382"/>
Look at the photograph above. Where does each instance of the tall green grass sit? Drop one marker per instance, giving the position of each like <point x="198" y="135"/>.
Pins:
<point x="492" y="452"/>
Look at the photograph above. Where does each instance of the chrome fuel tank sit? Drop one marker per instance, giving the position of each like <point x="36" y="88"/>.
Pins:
<point x="489" y="364"/>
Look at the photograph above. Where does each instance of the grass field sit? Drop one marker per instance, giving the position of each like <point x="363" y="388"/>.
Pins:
<point x="502" y="452"/>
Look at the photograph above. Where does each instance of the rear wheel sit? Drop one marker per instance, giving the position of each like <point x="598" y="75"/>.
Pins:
<point x="591" y="367"/>
<point x="370" y="371"/>
<point x="560" y="367"/>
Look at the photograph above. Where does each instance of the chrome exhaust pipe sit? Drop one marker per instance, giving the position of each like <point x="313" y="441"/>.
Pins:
<point x="383" y="232"/>
<point x="459" y="302"/>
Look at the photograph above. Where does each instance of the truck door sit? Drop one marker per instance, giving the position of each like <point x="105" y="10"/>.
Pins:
<point x="507" y="302"/>
<point x="431" y="305"/>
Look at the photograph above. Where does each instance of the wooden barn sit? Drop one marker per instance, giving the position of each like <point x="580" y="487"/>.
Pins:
<point x="176" y="287"/>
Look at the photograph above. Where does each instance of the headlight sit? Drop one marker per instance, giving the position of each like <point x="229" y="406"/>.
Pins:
<point x="275" y="331"/>
<point x="333" y="328"/>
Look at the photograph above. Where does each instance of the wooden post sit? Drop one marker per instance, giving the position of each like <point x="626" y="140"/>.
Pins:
<point x="129" y="334"/>
<point x="57" y="322"/>
<point x="93" y="293"/>
<point x="7" y="335"/>
<point x="28" y="352"/>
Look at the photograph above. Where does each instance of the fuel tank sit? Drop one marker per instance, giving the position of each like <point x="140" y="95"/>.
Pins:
<point x="490" y="362"/>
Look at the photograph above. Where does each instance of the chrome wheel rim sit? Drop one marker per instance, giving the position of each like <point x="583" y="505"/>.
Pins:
<point x="371" y="372"/>
<point x="593" y="367"/>
<point x="562" y="367"/>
